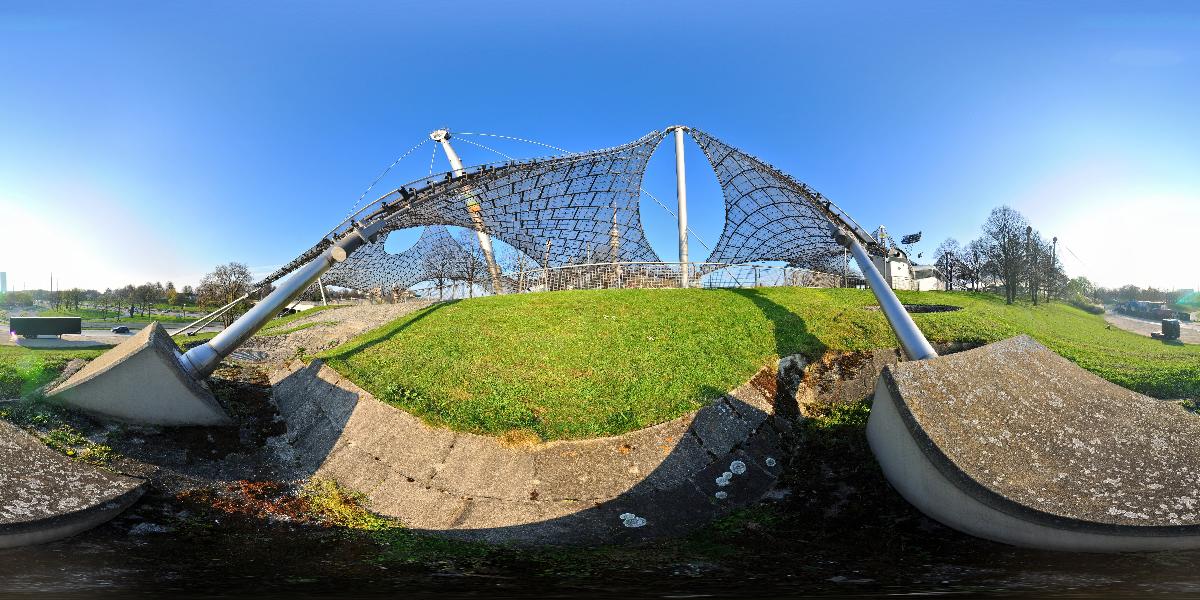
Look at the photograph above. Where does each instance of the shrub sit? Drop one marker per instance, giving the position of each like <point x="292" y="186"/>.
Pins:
<point x="1082" y="304"/>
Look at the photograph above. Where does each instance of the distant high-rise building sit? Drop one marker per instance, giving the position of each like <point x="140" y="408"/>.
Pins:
<point x="3" y="282"/>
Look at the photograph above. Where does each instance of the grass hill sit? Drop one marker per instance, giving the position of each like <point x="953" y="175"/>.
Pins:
<point x="589" y="363"/>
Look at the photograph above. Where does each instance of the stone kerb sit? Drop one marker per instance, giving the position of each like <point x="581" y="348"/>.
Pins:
<point x="661" y="480"/>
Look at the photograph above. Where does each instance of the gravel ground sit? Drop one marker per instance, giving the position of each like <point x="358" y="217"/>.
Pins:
<point x="335" y="326"/>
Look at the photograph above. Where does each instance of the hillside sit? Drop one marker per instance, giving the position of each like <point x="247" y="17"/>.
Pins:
<point x="580" y="364"/>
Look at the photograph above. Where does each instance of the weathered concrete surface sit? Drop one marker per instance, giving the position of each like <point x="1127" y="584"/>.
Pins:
<point x="1014" y="443"/>
<point x="141" y="381"/>
<point x="669" y="477"/>
<point x="843" y="377"/>
<point x="45" y="496"/>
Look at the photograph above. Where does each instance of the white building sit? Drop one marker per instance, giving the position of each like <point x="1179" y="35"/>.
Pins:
<point x="900" y="273"/>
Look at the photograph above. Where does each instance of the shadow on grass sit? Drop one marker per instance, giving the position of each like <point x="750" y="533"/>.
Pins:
<point x="791" y="337"/>
<point x="791" y="333"/>
<point x="382" y="335"/>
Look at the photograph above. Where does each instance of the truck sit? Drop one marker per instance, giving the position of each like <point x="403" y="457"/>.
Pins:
<point x="31" y="327"/>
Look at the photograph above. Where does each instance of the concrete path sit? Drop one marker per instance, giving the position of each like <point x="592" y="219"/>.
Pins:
<point x="662" y="480"/>
<point x="1014" y="443"/>
<point x="45" y="496"/>
<point x="326" y="329"/>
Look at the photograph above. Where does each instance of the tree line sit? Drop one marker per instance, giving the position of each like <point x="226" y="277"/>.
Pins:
<point x="132" y="299"/>
<point x="1010" y="257"/>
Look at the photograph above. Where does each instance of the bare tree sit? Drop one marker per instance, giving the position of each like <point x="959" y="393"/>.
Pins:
<point x="1004" y="233"/>
<point x="947" y="258"/>
<point x="974" y="262"/>
<point x="472" y="264"/>
<point x="441" y="263"/>
<point x="225" y="284"/>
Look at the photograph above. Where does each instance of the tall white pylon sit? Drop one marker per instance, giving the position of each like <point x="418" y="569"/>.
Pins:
<point x="681" y="196"/>
<point x="442" y="136"/>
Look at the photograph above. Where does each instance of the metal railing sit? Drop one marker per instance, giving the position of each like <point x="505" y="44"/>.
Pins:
<point x="650" y="275"/>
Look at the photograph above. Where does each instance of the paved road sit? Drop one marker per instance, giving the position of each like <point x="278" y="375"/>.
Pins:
<point x="89" y="337"/>
<point x="1189" y="332"/>
<point x="137" y="327"/>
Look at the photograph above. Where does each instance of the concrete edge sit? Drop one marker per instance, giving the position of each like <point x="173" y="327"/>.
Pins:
<point x="66" y="525"/>
<point x="929" y="480"/>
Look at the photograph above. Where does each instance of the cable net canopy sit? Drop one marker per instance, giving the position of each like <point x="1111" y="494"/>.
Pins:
<point x="580" y="209"/>
<point x="558" y="211"/>
<point x="435" y="255"/>
<point x="768" y="215"/>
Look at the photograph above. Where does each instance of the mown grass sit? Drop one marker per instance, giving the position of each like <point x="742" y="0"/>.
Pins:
<point x="23" y="370"/>
<point x="589" y="363"/>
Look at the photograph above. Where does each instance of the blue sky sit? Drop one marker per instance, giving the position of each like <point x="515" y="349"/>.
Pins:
<point x="152" y="141"/>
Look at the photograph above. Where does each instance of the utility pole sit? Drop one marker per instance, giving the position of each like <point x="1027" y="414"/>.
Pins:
<point x="1032" y="264"/>
<point x="845" y="267"/>
<point x="681" y="197"/>
<point x="442" y="136"/>
<point x="1050" y="285"/>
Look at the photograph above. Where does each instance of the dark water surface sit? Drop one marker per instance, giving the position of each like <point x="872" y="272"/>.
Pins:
<point x="132" y="558"/>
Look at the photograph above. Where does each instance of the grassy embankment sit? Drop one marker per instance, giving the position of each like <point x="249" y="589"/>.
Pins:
<point x="589" y="363"/>
<point x="23" y="369"/>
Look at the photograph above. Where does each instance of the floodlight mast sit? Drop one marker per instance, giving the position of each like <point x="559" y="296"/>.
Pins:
<point x="442" y="136"/>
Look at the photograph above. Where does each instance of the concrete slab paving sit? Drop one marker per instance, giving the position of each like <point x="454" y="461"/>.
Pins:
<point x="1015" y="443"/>
<point x="479" y="466"/>
<point x="45" y="496"/>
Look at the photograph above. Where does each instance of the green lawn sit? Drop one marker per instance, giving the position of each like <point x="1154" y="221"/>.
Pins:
<point x="589" y="363"/>
<point x="23" y="370"/>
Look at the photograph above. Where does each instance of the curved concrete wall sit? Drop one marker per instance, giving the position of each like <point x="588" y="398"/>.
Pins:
<point x="911" y="466"/>
<point x="662" y="480"/>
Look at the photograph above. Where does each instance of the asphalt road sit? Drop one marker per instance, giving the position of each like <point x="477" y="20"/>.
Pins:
<point x="1189" y="331"/>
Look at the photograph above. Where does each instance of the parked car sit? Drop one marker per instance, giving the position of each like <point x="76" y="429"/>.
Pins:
<point x="120" y="329"/>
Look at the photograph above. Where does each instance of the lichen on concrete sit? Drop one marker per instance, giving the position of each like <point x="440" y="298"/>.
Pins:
<point x="1033" y="428"/>
<point x="45" y="495"/>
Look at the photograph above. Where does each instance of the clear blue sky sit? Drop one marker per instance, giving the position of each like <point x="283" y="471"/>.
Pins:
<point x="151" y="141"/>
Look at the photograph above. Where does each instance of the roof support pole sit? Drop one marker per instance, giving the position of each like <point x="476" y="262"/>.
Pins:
<point x="442" y="136"/>
<point x="681" y="196"/>
<point x="202" y="360"/>
<point x="912" y="341"/>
